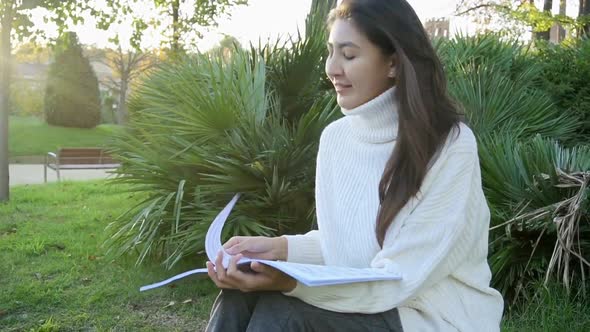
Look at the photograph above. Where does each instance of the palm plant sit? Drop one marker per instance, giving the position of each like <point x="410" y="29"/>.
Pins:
<point x="509" y="56"/>
<point x="497" y="84"/>
<point x="538" y="194"/>
<point x="525" y="170"/>
<point x="207" y="127"/>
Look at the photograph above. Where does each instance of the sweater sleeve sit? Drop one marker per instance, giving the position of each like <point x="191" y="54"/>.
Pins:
<point x="427" y="248"/>
<point x="305" y="248"/>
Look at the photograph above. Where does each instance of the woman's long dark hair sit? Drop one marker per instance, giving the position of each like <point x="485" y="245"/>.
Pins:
<point x="426" y="112"/>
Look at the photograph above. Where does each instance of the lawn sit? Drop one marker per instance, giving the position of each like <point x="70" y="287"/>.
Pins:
<point x="31" y="136"/>
<point x="54" y="274"/>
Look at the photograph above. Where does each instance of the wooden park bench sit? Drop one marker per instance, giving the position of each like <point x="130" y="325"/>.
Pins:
<point x="78" y="158"/>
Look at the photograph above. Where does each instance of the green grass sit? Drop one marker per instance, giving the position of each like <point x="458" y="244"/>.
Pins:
<point x="550" y="309"/>
<point x="31" y="136"/>
<point x="54" y="274"/>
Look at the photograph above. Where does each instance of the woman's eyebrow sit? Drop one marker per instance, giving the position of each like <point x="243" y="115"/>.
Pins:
<point x="343" y="44"/>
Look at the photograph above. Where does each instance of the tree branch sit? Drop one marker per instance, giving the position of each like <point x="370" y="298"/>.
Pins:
<point x="487" y="5"/>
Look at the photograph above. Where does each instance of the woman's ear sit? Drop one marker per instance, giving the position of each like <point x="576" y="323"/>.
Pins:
<point x="392" y="67"/>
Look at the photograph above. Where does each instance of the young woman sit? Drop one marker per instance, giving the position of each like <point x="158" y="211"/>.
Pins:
<point x="398" y="187"/>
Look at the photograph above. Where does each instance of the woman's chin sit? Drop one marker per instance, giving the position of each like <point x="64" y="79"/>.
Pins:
<point x="345" y="102"/>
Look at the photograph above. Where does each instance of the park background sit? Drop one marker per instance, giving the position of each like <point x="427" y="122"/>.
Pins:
<point x="199" y="100"/>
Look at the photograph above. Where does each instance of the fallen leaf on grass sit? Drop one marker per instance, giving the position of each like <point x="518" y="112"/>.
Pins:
<point x="187" y="301"/>
<point x="170" y="304"/>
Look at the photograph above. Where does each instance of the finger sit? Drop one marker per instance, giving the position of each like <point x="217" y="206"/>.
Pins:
<point x="219" y="268"/>
<point x="237" y="247"/>
<point x="233" y="241"/>
<point x="233" y="274"/>
<point x="213" y="275"/>
<point x="260" y="268"/>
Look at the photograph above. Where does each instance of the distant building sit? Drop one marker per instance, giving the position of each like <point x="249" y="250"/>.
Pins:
<point x="36" y="73"/>
<point x="31" y="71"/>
<point x="439" y="27"/>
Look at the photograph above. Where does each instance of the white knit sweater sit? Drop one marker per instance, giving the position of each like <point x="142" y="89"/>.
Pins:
<point x="438" y="241"/>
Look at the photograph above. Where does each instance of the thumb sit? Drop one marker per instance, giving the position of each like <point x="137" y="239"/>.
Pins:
<point x="260" y="268"/>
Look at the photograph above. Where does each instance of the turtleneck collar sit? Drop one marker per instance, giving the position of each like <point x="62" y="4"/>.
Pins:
<point x="375" y="121"/>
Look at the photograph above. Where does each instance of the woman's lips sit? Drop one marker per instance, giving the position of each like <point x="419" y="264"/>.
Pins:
<point x="341" y="87"/>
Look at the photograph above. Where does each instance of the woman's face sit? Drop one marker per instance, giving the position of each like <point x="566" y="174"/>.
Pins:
<point x="358" y="68"/>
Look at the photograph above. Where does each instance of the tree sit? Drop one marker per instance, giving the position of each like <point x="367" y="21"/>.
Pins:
<point x="547" y="5"/>
<point x="15" y="17"/>
<point x="127" y="66"/>
<point x="187" y="16"/>
<point x="584" y="14"/>
<point x="72" y="98"/>
<point x="32" y="52"/>
<point x="7" y="11"/>
<point x="560" y="29"/>
<point x="226" y="47"/>
<point x="524" y="13"/>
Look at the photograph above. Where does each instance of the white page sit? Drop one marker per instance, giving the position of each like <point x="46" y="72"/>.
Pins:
<point x="308" y="274"/>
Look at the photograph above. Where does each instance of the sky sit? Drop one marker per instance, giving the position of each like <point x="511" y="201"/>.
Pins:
<point x="262" y="19"/>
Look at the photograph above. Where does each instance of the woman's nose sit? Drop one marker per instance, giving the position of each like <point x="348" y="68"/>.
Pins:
<point x="333" y="69"/>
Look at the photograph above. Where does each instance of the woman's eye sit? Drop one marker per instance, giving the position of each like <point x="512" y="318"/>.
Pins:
<point x="348" y="57"/>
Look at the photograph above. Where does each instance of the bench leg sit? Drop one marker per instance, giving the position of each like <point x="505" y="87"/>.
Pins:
<point x="58" y="175"/>
<point x="45" y="173"/>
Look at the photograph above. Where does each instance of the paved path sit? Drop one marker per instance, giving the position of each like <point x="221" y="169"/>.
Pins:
<point x="32" y="174"/>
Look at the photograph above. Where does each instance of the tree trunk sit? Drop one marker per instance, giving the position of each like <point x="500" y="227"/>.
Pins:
<point x="562" y="11"/>
<point x="547" y="5"/>
<point x="6" y="25"/>
<point x="122" y="106"/>
<point x="175" y="26"/>
<point x="585" y="11"/>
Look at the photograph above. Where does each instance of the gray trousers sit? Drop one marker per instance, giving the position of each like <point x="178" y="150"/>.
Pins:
<point x="273" y="311"/>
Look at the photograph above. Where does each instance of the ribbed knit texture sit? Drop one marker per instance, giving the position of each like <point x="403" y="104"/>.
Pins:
<point x="438" y="241"/>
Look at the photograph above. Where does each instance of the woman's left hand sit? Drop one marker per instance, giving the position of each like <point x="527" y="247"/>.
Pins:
<point x="264" y="278"/>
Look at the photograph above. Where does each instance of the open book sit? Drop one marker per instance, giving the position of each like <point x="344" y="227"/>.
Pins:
<point x="307" y="274"/>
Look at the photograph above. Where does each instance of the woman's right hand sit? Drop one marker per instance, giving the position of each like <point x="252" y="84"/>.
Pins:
<point x="260" y="247"/>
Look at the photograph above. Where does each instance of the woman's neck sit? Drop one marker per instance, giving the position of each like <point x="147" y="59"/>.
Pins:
<point x="375" y="121"/>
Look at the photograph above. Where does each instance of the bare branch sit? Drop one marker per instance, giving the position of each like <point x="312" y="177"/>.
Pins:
<point x="487" y="5"/>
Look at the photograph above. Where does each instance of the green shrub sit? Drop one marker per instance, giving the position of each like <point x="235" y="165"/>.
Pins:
<point x="498" y="85"/>
<point x="72" y="97"/>
<point x="26" y="99"/>
<point x="566" y="78"/>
